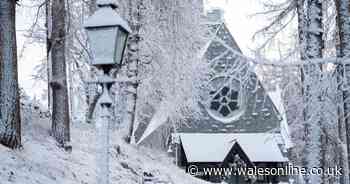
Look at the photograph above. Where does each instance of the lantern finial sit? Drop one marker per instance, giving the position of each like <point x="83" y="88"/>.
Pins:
<point x="104" y="3"/>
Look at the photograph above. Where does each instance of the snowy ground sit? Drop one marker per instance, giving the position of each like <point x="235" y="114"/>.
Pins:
<point x="42" y="162"/>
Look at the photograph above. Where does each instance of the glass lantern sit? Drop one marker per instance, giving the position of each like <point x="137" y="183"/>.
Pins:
<point x="107" y="33"/>
<point x="107" y="44"/>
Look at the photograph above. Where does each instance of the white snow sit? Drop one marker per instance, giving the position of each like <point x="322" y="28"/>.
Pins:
<point x="209" y="147"/>
<point x="276" y="97"/>
<point x="42" y="162"/>
<point x="206" y="147"/>
<point x="261" y="147"/>
<point x="158" y="119"/>
<point x="107" y="2"/>
<point x="106" y="17"/>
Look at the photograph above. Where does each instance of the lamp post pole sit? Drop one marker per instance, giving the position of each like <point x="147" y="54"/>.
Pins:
<point x="107" y="33"/>
<point x="103" y="122"/>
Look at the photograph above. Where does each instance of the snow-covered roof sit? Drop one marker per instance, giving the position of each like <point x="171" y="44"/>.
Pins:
<point x="207" y="147"/>
<point x="103" y="2"/>
<point x="105" y="16"/>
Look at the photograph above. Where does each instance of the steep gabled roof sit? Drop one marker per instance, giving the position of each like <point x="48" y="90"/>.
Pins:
<point x="226" y="59"/>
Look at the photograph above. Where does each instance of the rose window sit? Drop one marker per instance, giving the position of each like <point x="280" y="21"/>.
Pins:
<point x="226" y="102"/>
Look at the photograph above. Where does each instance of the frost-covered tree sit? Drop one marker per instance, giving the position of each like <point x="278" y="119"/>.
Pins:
<point x="162" y="55"/>
<point x="343" y="74"/>
<point x="48" y="26"/>
<point x="315" y="92"/>
<point x="10" y="124"/>
<point x="82" y="95"/>
<point x="311" y="91"/>
<point x="58" y="83"/>
<point x="135" y="10"/>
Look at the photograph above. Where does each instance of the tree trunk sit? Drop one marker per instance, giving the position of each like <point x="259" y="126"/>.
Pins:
<point x="48" y="25"/>
<point x="60" y="101"/>
<point x="302" y="19"/>
<point x="133" y="62"/>
<point x="91" y="89"/>
<point x="69" y="59"/>
<point x="10" y="121"/>
<point x="312" y="77"/>
<point x="343" y="52"/>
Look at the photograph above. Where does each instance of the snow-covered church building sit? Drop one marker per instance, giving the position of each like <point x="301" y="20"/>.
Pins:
<point x="243" y="124"/>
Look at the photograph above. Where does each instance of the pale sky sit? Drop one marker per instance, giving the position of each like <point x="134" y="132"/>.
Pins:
<point x="33" y="54"/>
<point x="237" y="17"/>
